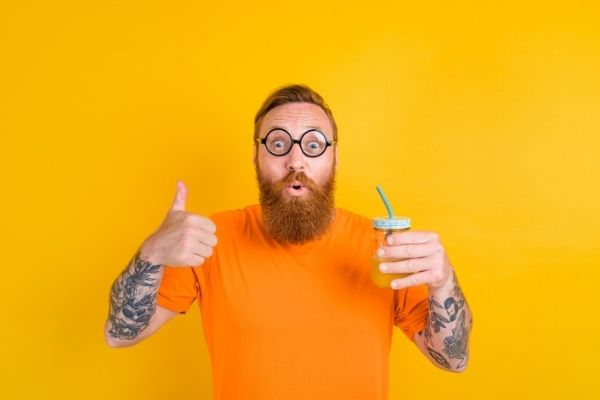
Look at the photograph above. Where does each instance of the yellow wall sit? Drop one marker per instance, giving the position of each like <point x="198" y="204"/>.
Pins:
<point x="480" y="121"/>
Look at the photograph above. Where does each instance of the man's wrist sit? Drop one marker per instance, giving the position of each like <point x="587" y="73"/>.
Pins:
<point x="146" y="253"/>
<point x="443" y="287"/>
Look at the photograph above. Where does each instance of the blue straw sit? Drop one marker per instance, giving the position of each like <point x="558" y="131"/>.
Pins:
<point x="387" y="204"/>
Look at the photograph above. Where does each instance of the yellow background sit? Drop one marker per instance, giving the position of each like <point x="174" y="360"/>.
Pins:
<point x="479" y="119"/>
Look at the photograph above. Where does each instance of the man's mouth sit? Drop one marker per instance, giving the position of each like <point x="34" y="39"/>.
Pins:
<point x="296" y="189"/>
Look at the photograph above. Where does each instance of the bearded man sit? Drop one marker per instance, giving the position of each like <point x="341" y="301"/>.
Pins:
<point x="287" y="302"/>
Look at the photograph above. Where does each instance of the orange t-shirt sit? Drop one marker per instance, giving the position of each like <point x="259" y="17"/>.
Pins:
<point x="294" y="321"/>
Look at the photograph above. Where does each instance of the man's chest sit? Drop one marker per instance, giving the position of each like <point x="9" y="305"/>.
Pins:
<point x="259" y="294"/>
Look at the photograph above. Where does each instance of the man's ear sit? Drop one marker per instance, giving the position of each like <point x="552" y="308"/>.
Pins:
<point x="336" y="157"/>
<point x="254" y="154"/>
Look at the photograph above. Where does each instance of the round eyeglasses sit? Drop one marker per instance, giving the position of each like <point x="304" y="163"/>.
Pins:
<point x="279" y="142"/>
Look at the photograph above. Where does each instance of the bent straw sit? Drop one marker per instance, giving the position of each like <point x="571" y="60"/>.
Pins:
<point x="387" y="204"/>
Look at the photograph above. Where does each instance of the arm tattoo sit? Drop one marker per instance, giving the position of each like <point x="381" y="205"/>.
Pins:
<point x="449" y="315"/>
<point x="438" y="358"/>
<point x="133" y="299"/>
<point x="455" y="346"/>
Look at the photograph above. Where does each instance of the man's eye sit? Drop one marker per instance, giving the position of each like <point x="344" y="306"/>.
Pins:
<point x="278" y="144"/>
<point x="314" y="145"/>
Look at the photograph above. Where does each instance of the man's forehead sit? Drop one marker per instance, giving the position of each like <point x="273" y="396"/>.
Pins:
<point x="297" y="116"/>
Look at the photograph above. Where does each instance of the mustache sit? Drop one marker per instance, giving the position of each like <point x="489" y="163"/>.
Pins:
<point x="296" y="177"/>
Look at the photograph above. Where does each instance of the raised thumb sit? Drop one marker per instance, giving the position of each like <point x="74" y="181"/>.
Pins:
<point x="180" y="197"/>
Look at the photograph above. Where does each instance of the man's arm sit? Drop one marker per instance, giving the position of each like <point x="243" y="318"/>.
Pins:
<point x="183" y="239"/>
<point x="133" y="312"/>
<point x="445" y="339"/>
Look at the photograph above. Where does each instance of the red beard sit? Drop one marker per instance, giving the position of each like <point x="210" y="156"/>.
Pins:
<point x="296" y="220"/>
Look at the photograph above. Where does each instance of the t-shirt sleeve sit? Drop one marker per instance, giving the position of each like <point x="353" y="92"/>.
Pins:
<point x="411" y="309"/>
<point x="178" y="289"/>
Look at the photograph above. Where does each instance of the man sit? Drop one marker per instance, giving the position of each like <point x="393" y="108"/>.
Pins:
<point x="287" y="302"/>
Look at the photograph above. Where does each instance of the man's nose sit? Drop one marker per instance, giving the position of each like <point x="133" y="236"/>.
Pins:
<point x="296" y="159"/>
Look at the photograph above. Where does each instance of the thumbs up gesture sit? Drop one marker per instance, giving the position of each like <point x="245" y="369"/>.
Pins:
<point x="183" y="238"/>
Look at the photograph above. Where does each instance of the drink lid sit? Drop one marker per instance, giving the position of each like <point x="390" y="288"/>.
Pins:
<point x="384" y="223"/>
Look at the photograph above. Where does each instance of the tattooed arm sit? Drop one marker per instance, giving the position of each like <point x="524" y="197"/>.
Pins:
<point x="183" y="239"/>
<point x="133" y="312"/>
<point x="445" y="339"/>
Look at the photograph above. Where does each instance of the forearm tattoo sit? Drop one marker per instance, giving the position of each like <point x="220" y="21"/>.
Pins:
<point x="133" y="299"/>
<point x="451" y="315"/>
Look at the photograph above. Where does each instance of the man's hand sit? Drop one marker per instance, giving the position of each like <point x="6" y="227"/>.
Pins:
<point x="420" y="254"/>
<point x="183" y="238"/>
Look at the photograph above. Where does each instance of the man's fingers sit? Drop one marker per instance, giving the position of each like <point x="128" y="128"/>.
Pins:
<point x="194" y="260"/>
<point x="406" y="266"/>
<point x="203" y="250"/>
<point x="180" y="197"/>
<point x="208" y="239"/>
<point x="408" y="250"/>
<point x="207" y="225"/>
<point x="411" y="280"/>
<point x="412" y="237"/>
<point x="199" y="223"/>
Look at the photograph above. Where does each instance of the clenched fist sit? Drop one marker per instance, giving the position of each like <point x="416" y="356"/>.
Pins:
<point x="183" y="238"/>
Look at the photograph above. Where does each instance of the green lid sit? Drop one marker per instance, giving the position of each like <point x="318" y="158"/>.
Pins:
<point x="385" y="223"/>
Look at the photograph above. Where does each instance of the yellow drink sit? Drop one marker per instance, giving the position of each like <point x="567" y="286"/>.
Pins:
<point x="383" y="279"/>
<point x="383" y="227"/>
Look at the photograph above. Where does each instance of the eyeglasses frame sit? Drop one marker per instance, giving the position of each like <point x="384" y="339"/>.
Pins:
<point x="294" y="141"/>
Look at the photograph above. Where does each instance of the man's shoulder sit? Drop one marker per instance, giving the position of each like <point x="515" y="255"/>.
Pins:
<point x="251" y="209"/>
<point x="350" y="219"/>
<point x="246" y="215"/>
